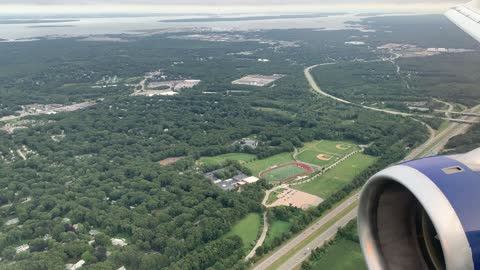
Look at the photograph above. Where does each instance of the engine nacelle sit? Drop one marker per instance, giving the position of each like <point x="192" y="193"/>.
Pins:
<point x="423" y="214"/>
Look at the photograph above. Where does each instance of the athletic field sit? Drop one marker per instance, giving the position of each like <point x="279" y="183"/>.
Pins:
<point x="219" y="160"/>
<point x="336" y="178"/>
<point x="325" y="153"/>
<point x="260" y="165"/>
<point x="286" y="172"/>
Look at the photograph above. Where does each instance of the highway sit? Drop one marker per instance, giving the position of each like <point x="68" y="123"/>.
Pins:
<point x="300" y="255"/>
<point x="317" y="89"/>
<point x="304" y="253"/>
<point x="432" y="146"/>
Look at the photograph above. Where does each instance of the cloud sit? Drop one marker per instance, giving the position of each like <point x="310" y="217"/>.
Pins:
<point x="220" y="2"/>
<point x="220" y="6"/>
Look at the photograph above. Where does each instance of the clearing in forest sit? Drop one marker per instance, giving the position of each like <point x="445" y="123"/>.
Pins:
<point x="295" y="198"/>
<point x="170" y="161"/>
<point x="247" y="229"/>
<point x="221" y="159"/>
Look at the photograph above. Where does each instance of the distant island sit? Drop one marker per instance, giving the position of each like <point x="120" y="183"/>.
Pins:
<point x="15" y="21"/>
<point x="252" y="18"/>
<point x="51" y="26"/>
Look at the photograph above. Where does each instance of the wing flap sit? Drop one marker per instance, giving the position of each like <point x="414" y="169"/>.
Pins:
<point x="467" y="17"/>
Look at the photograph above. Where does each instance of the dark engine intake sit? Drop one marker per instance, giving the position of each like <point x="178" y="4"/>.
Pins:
<point x="423" y="214"/>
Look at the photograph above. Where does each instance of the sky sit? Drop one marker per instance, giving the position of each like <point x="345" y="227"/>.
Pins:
<point x="220" y="6"/>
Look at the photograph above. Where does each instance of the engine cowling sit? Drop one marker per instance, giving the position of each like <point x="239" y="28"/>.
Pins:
<point x="423" y="214"/>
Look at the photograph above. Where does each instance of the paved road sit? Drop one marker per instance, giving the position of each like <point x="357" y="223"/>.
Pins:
<point x="330" y="233"/>
<point x="317" y="89"/>
<point x="261" y="239"/>
<point x="453" y="130"/>
<point x="449" y="110"/>
<point x="306" y="233"/>
<point x="438" y="141"/>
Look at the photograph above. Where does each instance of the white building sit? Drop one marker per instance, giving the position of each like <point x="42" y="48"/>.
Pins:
<point x="251" y="180"/>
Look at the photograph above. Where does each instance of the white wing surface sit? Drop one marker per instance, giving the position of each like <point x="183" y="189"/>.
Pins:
<point x="467" y="17"/>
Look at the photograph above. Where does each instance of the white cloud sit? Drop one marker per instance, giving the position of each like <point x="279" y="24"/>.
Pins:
<point x="217" y="6"/>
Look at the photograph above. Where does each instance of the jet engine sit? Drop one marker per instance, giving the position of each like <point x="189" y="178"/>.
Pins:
<point x="423" y="214"/>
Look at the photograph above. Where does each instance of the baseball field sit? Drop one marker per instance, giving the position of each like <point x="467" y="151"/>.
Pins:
<point x="324" y="153"/>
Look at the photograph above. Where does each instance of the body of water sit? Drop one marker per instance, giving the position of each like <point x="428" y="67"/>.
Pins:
<point x="139" y="25"/>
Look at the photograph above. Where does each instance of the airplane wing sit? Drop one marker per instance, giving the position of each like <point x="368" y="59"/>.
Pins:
<point x="467" y="17"/>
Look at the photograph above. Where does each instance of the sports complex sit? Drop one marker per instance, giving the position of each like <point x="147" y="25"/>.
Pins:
<point x="286" y="172"/>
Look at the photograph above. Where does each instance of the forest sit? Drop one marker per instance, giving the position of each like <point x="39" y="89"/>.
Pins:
<point x="93" y="175"/>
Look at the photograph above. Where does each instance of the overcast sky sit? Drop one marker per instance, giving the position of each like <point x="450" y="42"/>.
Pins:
<point x="219" y="6"/>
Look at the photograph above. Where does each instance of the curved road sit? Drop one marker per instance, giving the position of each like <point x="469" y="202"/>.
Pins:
<point x="262" y="237"/>
<point x="434" y="144"/>
<point x="317" y="89"/>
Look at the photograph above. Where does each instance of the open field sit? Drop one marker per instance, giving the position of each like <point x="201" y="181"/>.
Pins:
<point x="277" y="228"/>
<point x="296" y="198"/>
<point x="218" y="160"/>
<point x="285" y="172"/>
<point x="336" y="147"/>
<point x="258" y="80"/>
<point x="170" y="161"/>
<point x="343" y="255"/>
<point x="317" y="158"/>
<point x="324" y="153"/>
<point x="259" y="165"/>
<point x="337" y="177"/>
<point x="274" y="195"/>
<point x="247" y="229"/>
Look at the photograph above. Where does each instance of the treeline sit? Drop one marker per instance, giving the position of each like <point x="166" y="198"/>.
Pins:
<point x="104" y="174"/>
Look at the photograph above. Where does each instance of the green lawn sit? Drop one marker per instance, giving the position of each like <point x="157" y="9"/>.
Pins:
<point x="333" y="149"/>
<point x="274" y="195"/>
<point x="283" y="173"/>
<point x="247" y="229"/>
<point x="218" y="160"/>
<point x="310" y="157"/>
<point x="276" y="229"/>
<point x="259" y="165"/>
<point x="343" y="255"/>
<point x="336" y="178"/>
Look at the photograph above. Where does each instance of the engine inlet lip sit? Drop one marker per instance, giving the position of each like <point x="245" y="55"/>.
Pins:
<point x="455" y="245"/>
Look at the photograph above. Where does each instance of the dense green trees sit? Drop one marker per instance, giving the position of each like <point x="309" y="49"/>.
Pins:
<point x="104" y="175"/>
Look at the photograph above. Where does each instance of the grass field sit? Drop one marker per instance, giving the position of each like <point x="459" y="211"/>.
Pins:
<point x="336" y="147"/>
<point x="218" y="160"/>
<point x="310" y="157"/>
<point x="247" y="229"/>
<point x="274" y="195"/>
<point x="343" y="255"/>
<point x="259" y="165"/>
<point x="284" y="172"/>
<point x="330" y="149"/>
<point x="276" y="229"/>
<point x="336" y="178"/>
